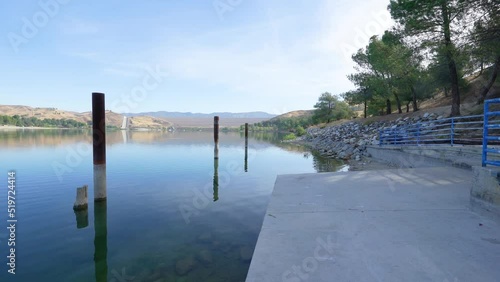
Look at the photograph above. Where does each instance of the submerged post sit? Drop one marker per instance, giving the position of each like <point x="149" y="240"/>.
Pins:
<point x="216" y="137"/>
<point x="99" y="144"/>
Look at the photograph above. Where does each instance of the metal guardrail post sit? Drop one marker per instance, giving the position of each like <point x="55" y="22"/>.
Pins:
<point x="485" y="133"/>
<point x="459" y="130"/>
<point x="418" y="133"/>
<point x="380" y="137"/>
<point x="452" y="133"/>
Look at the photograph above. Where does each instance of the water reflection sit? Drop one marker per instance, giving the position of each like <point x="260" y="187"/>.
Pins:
<point x="125" y="136"/>
<point x="100" y="225"/>
<point x="322" y="164"/>
<point x="100" y="241"/>
<point x="54" y="137"/>
<point x="246" y="150"/>
<point x="82" y="218"/>
<point x="41" y="137"/>
<point x="216" y="179"/>
<point x="167" y="167"/>
<point x="246" y="158"/>
<point x="13" y="138"/>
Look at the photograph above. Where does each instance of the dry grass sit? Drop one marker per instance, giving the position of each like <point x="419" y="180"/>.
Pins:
<point x="303" y="113"/>
<point x="148" y="122"/>
<point x="47" y="113"/>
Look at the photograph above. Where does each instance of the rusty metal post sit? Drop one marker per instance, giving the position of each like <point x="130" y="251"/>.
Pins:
<point x="99" y="128"/>
<point x="216" y="129"/>
<point x="99" y="144"/>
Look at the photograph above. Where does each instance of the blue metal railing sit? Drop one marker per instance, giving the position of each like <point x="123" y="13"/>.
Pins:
<point x="451" y="131"/>
<point x="487" y="126"/>
<point x="467" y="130"/>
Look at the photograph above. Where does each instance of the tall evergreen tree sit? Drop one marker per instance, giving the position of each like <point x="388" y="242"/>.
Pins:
<point x="435" y="23"/>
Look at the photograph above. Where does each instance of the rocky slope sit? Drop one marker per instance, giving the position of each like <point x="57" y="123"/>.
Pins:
<point x="349" y="140"/>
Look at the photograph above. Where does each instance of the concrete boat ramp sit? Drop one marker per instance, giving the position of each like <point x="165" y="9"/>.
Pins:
<point x="380" y="225"/>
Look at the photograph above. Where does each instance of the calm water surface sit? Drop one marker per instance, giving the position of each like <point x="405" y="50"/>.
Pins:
<point x="173" y="213"/>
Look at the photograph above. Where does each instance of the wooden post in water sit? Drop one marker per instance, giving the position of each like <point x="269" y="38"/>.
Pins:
<point x="81" y="207"/>
<point x="246" y="147"/>
<point x="99" y="142"/>
<point x="101" y="241"/>
<point x="216" y="137"/>
<point x="81" y="202"/>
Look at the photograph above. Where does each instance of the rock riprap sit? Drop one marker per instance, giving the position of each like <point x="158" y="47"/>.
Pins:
<point x="349" y="140"/>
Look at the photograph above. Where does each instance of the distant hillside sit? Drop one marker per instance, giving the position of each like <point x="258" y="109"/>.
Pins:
<point x="208" y="122"/>
<point x="48" y="113"/>
<point x="112" y="118"/>
<point x="151" y="120"/>
<point x="165" y="114"/>
<point x="291" y="121"/>
<point x="294" y="114"/>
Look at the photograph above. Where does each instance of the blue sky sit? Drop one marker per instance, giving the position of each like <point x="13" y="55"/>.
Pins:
<point x="199" y="56"/>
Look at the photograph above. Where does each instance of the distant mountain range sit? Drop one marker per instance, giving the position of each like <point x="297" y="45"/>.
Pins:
<point x="164" y="114"/>
<point x="162" y="119"/>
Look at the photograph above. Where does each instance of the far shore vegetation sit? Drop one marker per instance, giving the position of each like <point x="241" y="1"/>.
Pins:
<point x="21" y="121"/>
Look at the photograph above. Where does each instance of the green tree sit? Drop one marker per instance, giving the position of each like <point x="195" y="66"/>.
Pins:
<point x="299" y="130"/>
<point x="329" y="108"/>
<point x="435" y="24"/>
<point x="387" y="69"/>
<point x="485" y="37"/>
<point x="324" y="107"/>
<point x="359" y="96"/>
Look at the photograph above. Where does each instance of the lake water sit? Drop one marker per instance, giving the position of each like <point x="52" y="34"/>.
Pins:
<point x="173" y="213"/>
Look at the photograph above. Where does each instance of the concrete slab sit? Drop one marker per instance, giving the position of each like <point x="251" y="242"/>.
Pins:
<point x="388" y="225"/>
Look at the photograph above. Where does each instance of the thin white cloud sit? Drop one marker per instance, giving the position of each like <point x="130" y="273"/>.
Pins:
<point x="268" y="68"/>
<point x="275" y="60"/>
<point x="75" y="26"/>
<point x="84" y="55"/>
<point x="262" y="62"/>
<point x="122" y="72"/>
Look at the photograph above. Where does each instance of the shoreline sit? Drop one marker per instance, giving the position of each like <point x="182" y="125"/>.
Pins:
<point x="33" y="127"/>
<point x="365" y="163"/>
<point x="348" y="140"/>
